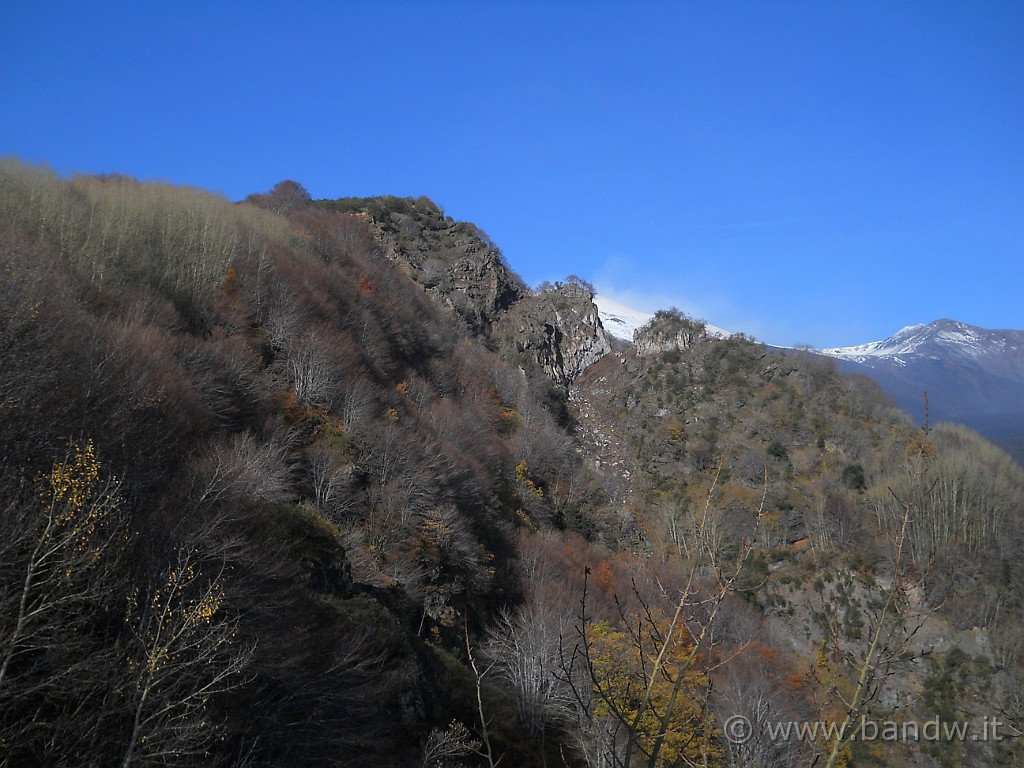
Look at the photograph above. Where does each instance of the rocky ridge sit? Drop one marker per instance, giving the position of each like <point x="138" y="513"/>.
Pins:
<point x="558" y="330"/>
<point x="669" y="331"/>
<point x="454" y="261"/>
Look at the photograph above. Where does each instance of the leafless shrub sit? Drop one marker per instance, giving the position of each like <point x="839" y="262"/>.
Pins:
<point x="241" y="467"/>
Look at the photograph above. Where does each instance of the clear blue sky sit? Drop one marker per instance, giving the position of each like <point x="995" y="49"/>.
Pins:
<point x="809" y="172"/>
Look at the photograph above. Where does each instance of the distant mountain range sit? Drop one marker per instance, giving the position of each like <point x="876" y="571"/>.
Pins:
<point x="973" y="376"/>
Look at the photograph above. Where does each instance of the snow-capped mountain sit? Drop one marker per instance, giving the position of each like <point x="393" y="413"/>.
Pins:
<point x="943" y="339"/>
<point x="621" y="321"/>
<point x="972" y="375"/>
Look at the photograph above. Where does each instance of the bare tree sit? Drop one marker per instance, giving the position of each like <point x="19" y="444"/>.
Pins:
<point x="328" y="477"/>
<point x="243" y="466"/>
<point x="50" y="555"/>
<point x="480" y="671"/>
<point x="60" y="569"/>
<point x="750" y="689"/>
<point x="313" y="376"/>
<point x="183" y="653"/>
<point x="444" y="748"/>
<point x="357" y="403"/>
<point x="524" y="647"/>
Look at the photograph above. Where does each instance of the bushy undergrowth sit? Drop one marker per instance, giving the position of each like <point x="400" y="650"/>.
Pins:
<point x="269" y="496"/>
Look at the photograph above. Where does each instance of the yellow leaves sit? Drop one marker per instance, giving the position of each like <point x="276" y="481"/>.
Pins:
<point x="180" y="601"/>
<point x="73" y="482"/>
<point x="675" y="431"/>
<point x="79" y="499"/>
<point x="657" y="700"/>
<point x="195" y="611"/>
<point x="523" y="476"/>
<point x="159" y="656"/>
<point x="526" y="520"/>
<point x="845" y="757"/>
<point x="182" y="651"/>
<point x="207" y="608"/>
<point x="821" y="657"/>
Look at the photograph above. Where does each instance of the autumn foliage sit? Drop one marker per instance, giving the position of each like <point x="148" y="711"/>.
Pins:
<point x="270" y="494"/>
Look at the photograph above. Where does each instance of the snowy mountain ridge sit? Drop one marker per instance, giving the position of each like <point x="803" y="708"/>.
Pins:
<point x="967" y="374"/>
<point x="619" y="320"/>
<point x="939" y="340"/>
<point x="622" y="321"/>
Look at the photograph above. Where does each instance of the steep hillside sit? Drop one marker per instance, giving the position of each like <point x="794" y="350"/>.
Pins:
<point x="804" y="475"/>
<point x="322" y="483"/>
<point x="263" y="420"/>
<point x="557" y="330"/>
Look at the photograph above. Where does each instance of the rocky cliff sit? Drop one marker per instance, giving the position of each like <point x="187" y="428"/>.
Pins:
<point x="456" y="263"/>
<point x="558" y="329"/>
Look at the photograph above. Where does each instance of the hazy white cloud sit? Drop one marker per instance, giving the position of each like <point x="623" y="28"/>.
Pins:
<point x="627" y="282"/>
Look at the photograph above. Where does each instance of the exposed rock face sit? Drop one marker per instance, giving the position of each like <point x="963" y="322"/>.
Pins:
<point x="669" y="331"/>
<point x="479" y="288"/>
<point x="457" y="264"/>
<point x="558" y="329"/>
<point x="454" y="261"/>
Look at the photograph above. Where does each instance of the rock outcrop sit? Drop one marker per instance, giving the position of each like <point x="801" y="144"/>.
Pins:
<point x="456" y="263"/>
<point x="478" y="288"/>
<point x="560" y="330"/>
<point x="667" y="331"/>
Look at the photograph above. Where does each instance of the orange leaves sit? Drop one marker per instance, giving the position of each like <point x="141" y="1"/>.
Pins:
<point x="604" y="575"/>
<point x="506" y="419"/>
<point x="229" y="286"/>
<point x="291" y="406"/>
<point x="795" y="681"/>
<point x="920" y="447"/>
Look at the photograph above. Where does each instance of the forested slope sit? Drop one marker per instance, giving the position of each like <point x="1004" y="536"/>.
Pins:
<point x="322" y="482"/>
